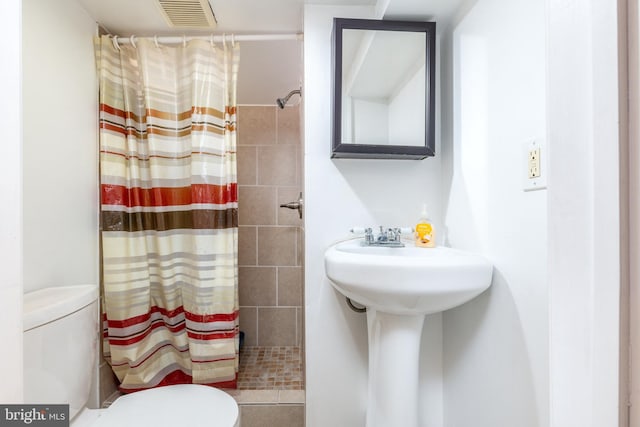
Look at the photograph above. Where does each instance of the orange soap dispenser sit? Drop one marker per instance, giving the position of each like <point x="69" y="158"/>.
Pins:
<point x="425" y="234"/>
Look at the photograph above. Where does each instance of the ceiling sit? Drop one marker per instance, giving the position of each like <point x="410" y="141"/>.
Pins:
<point x="143" y="17"/>
<point x="279" y="63"/>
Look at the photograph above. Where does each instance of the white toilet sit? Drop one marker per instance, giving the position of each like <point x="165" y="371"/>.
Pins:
<point x="60" y="346"/>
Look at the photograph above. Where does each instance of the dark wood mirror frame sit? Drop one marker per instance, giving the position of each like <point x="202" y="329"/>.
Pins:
<point x="364" y="151"/>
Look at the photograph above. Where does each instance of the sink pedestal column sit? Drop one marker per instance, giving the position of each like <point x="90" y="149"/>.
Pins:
<point x="394" y="359"/>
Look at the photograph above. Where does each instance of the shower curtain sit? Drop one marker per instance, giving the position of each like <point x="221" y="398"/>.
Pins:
<point x="169" y="212"/>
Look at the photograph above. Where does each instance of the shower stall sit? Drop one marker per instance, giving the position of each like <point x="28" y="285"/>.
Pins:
<point x="270" y="237"/>
<point x="271" y="241"/>
<point x="270" y="248"/>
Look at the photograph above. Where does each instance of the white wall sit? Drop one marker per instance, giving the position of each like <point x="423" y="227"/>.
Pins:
<point x="60" y="148"/>
<point x="11" y="212"/>
<point x="338" y="195"/>
<point x="496" y="346"/>
<point x="584" y="212"/>
<point x="60" y="194"/>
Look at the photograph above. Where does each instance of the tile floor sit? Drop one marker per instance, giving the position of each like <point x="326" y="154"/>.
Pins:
<point x="268" y="375"/>
<point x="271" y="368"/>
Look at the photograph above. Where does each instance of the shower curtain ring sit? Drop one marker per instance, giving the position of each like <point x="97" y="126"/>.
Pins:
<point x="132" y="39"/>
<point x="233" y="40"/>
<point x="115" y="43"/>
<point x="211" y="40"/>
<point x="184" y="40"/>
<point x="224" y="40"/>
<point x="155" y="40"/>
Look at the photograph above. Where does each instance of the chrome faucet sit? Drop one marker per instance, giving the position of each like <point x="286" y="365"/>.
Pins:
<point x="389" y="237"/>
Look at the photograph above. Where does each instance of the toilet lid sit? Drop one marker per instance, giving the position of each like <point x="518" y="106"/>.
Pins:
<point x="172" y="406"/>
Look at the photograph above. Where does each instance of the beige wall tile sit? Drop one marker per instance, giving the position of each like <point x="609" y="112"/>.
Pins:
<point x="256" y="125"/>
<point x="299" y="166"/>
<point x="288" y="216"/>
<point x="272" y="415"/>
<point x="301" y="243"/>
<point x="276" y="326"/>
<point x="249" y="324"/>
<point x="299" y="246"/>
<point x="290" y="286"/>
<point x="277" y="246"/>
<point x="257" y="286"/>
<point x="247" y="165"/>
<point x="300" y="326"/>
<point x="277" y="165"/>
<point x="256" y="205"/>
<point x="247" y="245"/>
<point x="288" y="123"/>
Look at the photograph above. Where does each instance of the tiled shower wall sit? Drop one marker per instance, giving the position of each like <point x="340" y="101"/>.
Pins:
<point x="270" y="243"/>
<point x="270" y="238"/>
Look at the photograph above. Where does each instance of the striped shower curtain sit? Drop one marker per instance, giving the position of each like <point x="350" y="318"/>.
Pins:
<point x="169" y="212"/>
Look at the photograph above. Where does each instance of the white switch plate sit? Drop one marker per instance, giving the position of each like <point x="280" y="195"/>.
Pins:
<point x="531" y="149"/>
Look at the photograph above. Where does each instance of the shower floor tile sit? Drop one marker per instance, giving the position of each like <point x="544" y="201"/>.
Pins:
<point x="271" y="368"/>
<point x="268" y="369"/>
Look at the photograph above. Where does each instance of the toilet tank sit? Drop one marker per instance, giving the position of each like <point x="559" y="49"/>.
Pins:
<point x="60" y="327"/>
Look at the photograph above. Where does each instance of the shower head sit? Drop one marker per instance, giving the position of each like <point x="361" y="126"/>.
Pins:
<point x="283" y="101"/>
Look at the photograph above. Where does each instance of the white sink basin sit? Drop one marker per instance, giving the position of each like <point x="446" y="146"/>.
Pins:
<point x="407" y="280"/>
<point x="399" y="286"/>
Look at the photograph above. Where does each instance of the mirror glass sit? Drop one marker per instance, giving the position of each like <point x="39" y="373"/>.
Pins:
<point x="383" y="89"/>
<point x="383" y="78"/>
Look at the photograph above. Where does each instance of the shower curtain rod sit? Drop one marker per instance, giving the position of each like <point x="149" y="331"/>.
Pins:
<point x="212" y="38"/>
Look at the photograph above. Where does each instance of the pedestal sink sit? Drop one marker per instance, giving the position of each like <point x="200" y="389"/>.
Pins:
<point x="399" y="286"/>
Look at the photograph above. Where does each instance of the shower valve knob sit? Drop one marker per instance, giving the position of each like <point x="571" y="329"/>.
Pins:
<point x="294" y="205"/>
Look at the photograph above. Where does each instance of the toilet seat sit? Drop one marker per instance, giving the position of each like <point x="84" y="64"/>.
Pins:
<point x="170" y="406"/>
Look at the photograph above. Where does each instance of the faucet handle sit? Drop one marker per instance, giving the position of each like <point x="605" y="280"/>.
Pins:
<point x="393" y="234"/>
<point x="368" y="235"/>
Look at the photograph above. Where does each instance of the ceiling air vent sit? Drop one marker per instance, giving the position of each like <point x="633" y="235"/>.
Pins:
<point x="188" y="13"/>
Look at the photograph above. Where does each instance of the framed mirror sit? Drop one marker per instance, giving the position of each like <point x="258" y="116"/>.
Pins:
<point x="383" y="89"/>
